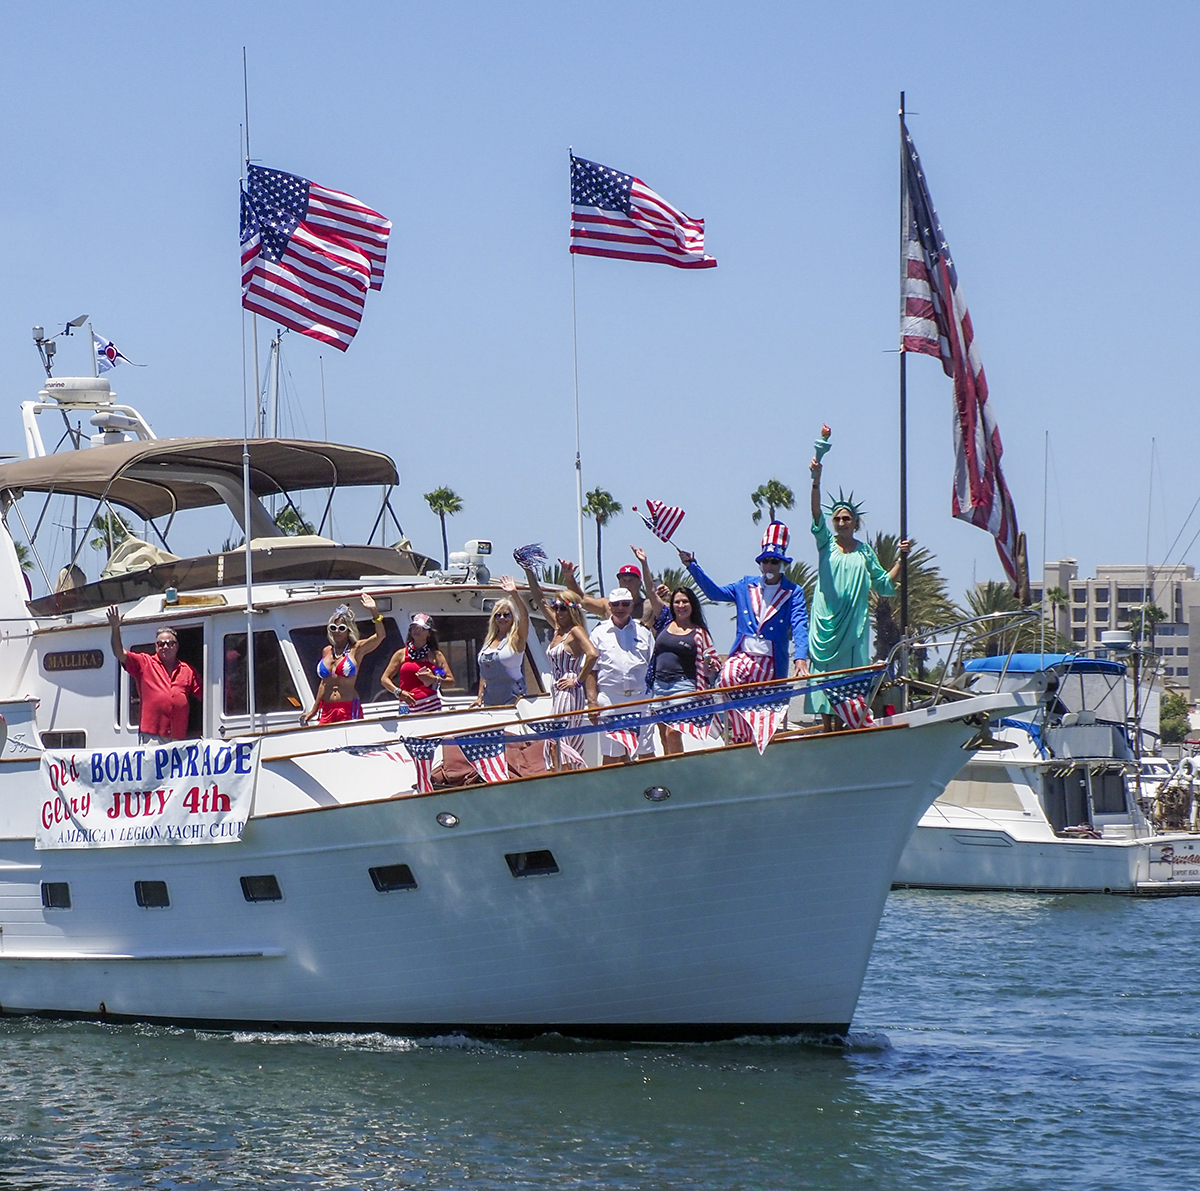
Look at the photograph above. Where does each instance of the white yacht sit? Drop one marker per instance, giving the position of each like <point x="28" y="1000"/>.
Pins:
<point x="314" y="877"/>
<point x="1052" y="803"/>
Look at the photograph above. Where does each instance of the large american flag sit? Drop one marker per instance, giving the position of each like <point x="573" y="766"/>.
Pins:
<point x="934" y="321"/>
<point x="616" y="214"/>
<point x="309" y="254"/>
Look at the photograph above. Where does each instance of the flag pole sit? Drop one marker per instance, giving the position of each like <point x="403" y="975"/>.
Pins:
<point x="247" y="496"/>
<point x="578" y="462"/>
<point x="903" y="405"/>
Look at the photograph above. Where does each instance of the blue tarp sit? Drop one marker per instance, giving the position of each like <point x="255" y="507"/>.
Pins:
<point x="1030" y="663"/>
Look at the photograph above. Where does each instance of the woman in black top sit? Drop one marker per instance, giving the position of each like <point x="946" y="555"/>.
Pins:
<point x="685" y="659"/>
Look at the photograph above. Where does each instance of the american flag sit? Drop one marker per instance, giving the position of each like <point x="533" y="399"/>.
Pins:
<point x="421" y="750"/>
<point x="569" y="753"/>
<point x="485" y="751"/>
<point x="309" y="254"/>
<point x="618" y="215"/>
<point x="661" y="520"/>
<point x="934" y="321"/>
<point x="851" y="701"/>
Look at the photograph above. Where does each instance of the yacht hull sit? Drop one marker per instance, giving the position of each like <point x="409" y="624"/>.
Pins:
<point x="746" y="902"/>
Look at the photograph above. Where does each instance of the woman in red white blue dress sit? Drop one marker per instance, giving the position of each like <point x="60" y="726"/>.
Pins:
<point x="420" y="667"/>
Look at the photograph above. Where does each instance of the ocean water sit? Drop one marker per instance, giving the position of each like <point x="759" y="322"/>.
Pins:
<point x="1002" y="1041"/>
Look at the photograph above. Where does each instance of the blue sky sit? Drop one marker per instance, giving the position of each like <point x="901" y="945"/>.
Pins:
<point x="1059" y="143"/>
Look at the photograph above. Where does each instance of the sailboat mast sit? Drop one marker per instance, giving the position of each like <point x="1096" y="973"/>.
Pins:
<point x="903" y="395"/>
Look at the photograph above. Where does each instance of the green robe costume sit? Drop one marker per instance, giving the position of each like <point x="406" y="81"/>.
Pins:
<point x="839" y="627"/>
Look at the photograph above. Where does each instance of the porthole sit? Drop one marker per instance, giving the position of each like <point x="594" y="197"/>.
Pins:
<point x="388" y="878"/>
<point x="261" y="889"/>
<point x="531" y="864"/>
<point x="151" y="895"/>
<point x="657" y="793"/>
<point x="446" y="819"/>
<point x="56" y="895"/>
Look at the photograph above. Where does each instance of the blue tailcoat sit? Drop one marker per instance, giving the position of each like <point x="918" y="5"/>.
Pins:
<point x="790" y="620"/>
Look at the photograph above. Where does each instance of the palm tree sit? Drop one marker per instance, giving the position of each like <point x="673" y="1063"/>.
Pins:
<point x="1145" y="618"/>
<point x="603" y="508"/>
<point x="1058" y="601"/>
<point x="24" y="556"/>
<point x="292" y="522"/>
<point x="802" y="575"/>
<point x="675" y="577"/>
<point x="774" y="494"/>
<point x="444" y="502"/>
<point x="992" y="598"/>
<point x="928" y="603"/>
<point x="111" y="531"/>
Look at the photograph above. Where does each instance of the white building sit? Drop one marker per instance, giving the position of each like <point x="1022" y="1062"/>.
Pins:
<point x="1112" y="600"/>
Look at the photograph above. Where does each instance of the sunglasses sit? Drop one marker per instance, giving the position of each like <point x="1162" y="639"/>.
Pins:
<point x="503" y="615"/>
<point x="338" y="628"/>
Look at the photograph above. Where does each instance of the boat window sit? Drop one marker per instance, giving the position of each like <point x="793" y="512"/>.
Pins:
<point x="1108" y="793"/>
<point x="191" y="650"/>
<point x="274" y="689"/>
<point x="64" y="740"/>
<point x="461" y="638"/>
<point x="261" y="889"/>
<point x="531" y="864"/>
<point x="310" y="642"/>
<point x="56" y="895"/>
<point x="985" y="787"/>
<point x="388" y="878"/>
<point x="151" y="895"/>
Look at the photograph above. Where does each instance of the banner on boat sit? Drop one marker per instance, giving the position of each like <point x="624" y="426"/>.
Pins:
<point x="190" y="792"/>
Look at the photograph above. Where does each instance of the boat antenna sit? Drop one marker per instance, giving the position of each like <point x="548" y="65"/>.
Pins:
<point x="247" y="495"/>
<point x="46" y="345"/>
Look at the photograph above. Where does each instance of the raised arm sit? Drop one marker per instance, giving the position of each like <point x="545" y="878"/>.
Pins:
<point x="539" y="596"/>
<point x="815" y="468"/>
<point x="648" y="585"/>
<point x="719" y="595"/>
<point x="114" y="624"/>
<point x="368" y="644"/>
<point x="509" y="585"/>
<point x="571" y="583"/>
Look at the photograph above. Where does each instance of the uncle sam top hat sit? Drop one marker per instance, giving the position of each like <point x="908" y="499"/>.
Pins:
<point x="775" y="543"/>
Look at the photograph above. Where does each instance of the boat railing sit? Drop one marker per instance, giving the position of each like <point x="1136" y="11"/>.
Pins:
<point x="961" y="640"/>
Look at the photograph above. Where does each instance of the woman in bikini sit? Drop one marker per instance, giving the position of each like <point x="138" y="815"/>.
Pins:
<point x="337" y="695"/>
<point x="416" y="672"/>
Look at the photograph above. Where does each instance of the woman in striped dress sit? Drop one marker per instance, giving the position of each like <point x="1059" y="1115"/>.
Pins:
<point x="420" y="668"/>
<point x="571" y="655"/>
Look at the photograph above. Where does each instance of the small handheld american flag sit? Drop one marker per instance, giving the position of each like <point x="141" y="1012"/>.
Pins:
<point x="485" y="751"/>
<point x="661" y="520"/>
<point x="421" y="751"/>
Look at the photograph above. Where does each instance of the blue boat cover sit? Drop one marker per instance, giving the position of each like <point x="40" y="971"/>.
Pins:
<point x="1029" y="663"/>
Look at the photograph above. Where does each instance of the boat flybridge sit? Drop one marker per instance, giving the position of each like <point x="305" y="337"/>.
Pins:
<point x="418" y="873"/>
<point x="1054" y="802"/>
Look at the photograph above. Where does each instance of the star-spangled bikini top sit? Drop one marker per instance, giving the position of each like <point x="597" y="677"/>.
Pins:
<point x="344" y="667"/>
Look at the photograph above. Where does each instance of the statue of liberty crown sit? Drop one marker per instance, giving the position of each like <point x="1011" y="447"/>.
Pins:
<point x="845" y="502"/>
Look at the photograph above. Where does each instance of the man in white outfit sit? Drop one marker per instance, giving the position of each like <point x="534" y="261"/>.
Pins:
<point x="624" y="647"/>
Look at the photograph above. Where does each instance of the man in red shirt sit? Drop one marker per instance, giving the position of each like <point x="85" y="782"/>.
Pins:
<point x="164" y="683"/>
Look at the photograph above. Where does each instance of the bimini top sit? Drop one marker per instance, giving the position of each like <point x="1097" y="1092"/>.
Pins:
<point x="1029" y="663"/>
<point x="167" y="474"/>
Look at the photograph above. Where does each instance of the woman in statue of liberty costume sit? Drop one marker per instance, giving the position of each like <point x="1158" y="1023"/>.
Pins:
<point x="839" y="629"/>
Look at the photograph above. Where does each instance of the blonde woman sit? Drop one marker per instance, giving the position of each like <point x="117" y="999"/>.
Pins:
<point x="337" y="695"/>
<point x="502" y="658"/>
<point x="571" y="655"/>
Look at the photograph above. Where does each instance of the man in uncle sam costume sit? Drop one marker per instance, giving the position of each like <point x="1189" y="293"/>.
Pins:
<point x="770" y="610"/>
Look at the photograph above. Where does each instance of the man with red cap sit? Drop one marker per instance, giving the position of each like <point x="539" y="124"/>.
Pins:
<point x="770" y="611"/>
